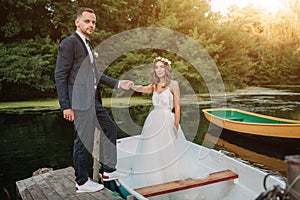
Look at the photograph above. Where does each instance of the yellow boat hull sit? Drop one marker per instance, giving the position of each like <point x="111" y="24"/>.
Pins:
<point x="285" y="129"/>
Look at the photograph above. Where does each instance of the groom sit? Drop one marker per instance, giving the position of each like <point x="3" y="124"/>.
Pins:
<point x="78" y="87"/>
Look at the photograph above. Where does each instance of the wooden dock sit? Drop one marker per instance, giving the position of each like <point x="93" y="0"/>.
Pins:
<point x="55" y="185"/>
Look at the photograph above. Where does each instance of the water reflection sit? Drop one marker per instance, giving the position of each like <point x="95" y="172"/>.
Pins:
<point x="261" y="161"/>
<point x="29" y="142"/>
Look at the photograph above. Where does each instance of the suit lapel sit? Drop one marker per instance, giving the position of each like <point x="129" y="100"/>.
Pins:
<point x="94" y="64"/>
<point x="82" y="43"/>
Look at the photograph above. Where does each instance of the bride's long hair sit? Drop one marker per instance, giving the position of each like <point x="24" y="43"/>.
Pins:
<point x="167" y="65"/>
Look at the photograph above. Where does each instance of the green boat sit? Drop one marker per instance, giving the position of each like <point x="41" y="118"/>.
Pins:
<point x="252" y="123"/>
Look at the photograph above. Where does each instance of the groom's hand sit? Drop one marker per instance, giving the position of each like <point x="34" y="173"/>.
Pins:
<point x="126" y="84"/>
<point x="68" y="114"/>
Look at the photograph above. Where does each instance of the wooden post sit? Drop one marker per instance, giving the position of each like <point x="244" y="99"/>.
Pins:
<point x="293" y="171"/>
<point x="96" y="155"/>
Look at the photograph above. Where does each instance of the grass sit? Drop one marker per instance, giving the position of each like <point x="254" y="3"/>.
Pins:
<point x="20" y="107"/>
<point x="50" y="105"/>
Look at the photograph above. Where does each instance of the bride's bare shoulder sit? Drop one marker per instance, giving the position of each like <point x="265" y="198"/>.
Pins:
<point x="174" y="84"/>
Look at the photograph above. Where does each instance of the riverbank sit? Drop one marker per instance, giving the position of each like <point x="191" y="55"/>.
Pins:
<point x="49" y="105"/>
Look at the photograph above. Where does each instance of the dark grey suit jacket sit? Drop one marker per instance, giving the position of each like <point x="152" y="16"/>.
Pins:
<point x="74" y="75"/>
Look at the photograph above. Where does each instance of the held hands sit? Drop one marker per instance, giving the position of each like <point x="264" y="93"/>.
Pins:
<point x="135" y="87"/>
<point x="126" y="84"/>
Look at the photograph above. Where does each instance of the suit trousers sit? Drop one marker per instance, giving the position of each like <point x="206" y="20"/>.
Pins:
<point x="85" y="124"/>
<point x="109" y="128"/>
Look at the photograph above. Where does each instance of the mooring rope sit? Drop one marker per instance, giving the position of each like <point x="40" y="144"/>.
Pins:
<point x="277" y="192"/>
<point x="293" y="183"/>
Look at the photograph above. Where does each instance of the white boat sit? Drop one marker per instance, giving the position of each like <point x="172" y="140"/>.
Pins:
<point x="229" y="178"/>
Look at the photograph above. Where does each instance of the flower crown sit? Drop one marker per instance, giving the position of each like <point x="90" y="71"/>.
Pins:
<point x="162" y="59"/>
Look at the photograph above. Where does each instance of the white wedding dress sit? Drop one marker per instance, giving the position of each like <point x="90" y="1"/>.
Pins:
<point x="163" y="154"/>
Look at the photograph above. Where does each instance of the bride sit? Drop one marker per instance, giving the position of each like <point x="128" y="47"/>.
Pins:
<point x="163" y="153"/>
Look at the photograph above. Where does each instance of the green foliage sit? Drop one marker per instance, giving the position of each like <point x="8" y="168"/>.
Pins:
<point x="63" y="15"/>
<point x="25" y="19"/>
<point x="278" y="68"/>
<point x="248" y="47"/>
<point x="30" y="62"/>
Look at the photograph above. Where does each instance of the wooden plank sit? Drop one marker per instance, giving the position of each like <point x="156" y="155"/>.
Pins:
<point x="68" y="177"/>
<point x="23" y="191"/>
<point x="57" y="185"/>
<point x="45" y="188"/>
<point x="104" y="194"/>
<point x="69" y="184"/>
<point x="174" y="186"/>
<point x="34" y="189"/>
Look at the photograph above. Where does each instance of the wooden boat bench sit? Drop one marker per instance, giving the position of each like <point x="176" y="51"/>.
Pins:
<point x="174" y="186"/>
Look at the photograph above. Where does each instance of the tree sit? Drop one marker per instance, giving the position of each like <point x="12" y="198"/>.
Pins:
<point x="248" y="47"/>
<point x="27" y="65"/>
<point x="25" y="19"/>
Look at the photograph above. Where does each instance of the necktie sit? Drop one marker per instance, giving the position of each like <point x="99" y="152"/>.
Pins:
<point x="90" y="49"/>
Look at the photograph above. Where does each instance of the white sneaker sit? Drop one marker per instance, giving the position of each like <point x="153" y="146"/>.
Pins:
<point x="89" y="186"/>
<point x="113" y="175"/>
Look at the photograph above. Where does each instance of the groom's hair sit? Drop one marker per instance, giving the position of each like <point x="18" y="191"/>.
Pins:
<point x="84" y="9"/>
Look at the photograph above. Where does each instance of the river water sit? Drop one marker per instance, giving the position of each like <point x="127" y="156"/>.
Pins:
<point x="31" y="141"/>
